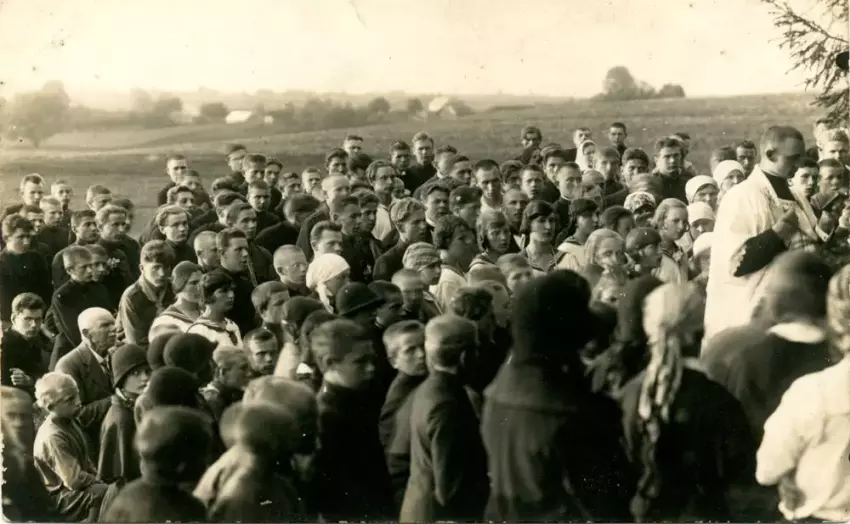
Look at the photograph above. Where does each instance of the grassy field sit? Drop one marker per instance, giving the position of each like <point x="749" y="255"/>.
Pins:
<point x="131" y="162"/>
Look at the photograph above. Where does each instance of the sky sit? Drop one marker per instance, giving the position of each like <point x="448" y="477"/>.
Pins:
<point x="540" y="47"/>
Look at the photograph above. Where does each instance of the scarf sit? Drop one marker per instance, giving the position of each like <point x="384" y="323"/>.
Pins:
<point x="580" y="159"/>
<point x="323" y="268"/>
<point x="671" y="313"/>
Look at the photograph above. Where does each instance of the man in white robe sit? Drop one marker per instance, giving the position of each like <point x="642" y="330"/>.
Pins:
<point x="757" y="220"/>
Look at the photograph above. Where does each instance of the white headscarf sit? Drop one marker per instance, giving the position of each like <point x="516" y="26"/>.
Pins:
<point x="323" y="268"/>
<point x="695" y="184"/>
<point x="724" y="169"/>
<point x="580" y="160"/>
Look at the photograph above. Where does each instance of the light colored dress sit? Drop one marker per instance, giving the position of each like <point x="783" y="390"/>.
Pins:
<point x="226" y="335"/>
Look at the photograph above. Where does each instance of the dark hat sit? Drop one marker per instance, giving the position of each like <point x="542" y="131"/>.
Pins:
<point x="188" y="351"/>
<point x="612" y="215"/>
<point x="125" y="359"/>
<point x="156" y="348"/>
<point x="581" y="206"/>
<point x="167" y="434"/>
<point x="355" y="297"/>
<point x="172" y="386"/>
<point x="841" y="60"/>
<point x="297" y="309"/>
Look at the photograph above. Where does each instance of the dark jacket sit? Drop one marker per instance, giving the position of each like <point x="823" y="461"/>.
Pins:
<point x="703" y="451"/>
<point x="554" y="449"/>
<point x="30" y="356"/>
<point x="242" y="313"/>
<point x="24" y="273"/>
<point x="118" y="460"/>
<point x="25" y="498"/>
<point x="281" y="234"/>
<point x="146" y="501"/>
<point x="550" y="192"/>
<point x="401" y="388"/>
<point x="218" y="398"/>
<point x="119" y="275"/>
<point x="352" y="482"/>
<point x="322" y="213"/>
<point x="56" y="238"/>
<point x="183" y="252"/>
<point x="357" y="252"/>
<point x="673" y="186"/>
<point x="448" y="465"/>
<point x="266" y="219"/>
<point x="262" y="263"/>
<point x="133" y="250"/>
<point x="390" y="262"/>
<point x="415" y="176"/>
<point x="613" y="194"/>
<point x="140" y="305"/>
<point x="95" y="387"/>
<point x="757" y="368"/>
<point x="71" y="299"/>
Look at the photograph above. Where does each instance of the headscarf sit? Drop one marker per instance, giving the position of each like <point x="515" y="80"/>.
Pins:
<point x="724" y="169"/>
<point x="670" y="313"/>
<point x="323" y="268"/>
<point x="580" y="160"/>
<point x="700" y="211"/>
<point x="420" y="255"/>
<point x="696" y="183"/>
<point x="639" y="199"/>
<point x="838" y="310"/>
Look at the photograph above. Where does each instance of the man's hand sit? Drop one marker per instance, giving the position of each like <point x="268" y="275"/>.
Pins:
<point x="787" y="225"/>
<point x="790" y="494"/>
<point x="19" y="378"/>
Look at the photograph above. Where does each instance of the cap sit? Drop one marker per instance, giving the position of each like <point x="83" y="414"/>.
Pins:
<point x="700" y="211"/>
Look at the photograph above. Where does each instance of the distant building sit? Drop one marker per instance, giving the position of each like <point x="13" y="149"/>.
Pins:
<point x="444" y="107"/>
<point x="242" y="116"/>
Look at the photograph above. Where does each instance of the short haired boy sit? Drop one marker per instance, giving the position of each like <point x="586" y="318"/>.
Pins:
<point x="22" y="268"/>
<point x="231" y="374"/>
<point x="26" y="349"/>
<point x="405" y="343"/>
<point x="149" y="295"/>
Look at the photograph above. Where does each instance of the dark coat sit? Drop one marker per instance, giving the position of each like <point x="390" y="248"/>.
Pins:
<point x="303" y="242"/>
<point x="95" y="387"/>
<point x="258" y="493"/>
<point x="266" y="219"/>
<point x="119" y="275"/>
<point x="401" y="388"/>
<point x="352" y="482"/>
<point x="390" y="262"/>
<point x="56" y="238"/>
<point x="416" y="175"/>
<point x="757" y="368"/>
<point x="118" y="460"/>
<point x="207" y="217"/>
<point x="358" y="253"/>
<point x="281" y="234"/>
<point x="397" y="452"/>
<point x="673" y="186"/>
<point x="183" y="252"/>
<point x="145" y="501"/>
<point x="30" y="356"/>
<point x="703" y="451"/>
<point x="133" y="250"/>
<point x="448" y="465"/>
<point x="218" y="398"/>
<point x="71" y="299"/>
<point x="242" y="313"/>
<point x="24" y="273"/>
<point x="554" y="449"/>
<point x="25" y="498"/>
<point x="262" y="263"/>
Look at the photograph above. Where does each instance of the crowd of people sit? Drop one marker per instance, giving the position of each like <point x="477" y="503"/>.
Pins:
<point x="586" y="332"/>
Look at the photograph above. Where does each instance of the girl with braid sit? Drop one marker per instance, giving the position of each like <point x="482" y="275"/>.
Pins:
<point x="687" y="436"/>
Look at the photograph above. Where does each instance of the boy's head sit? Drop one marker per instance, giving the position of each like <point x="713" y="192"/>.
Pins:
<point x="343" y="351"/>
<point x="510" y="174"/>
<point x="62" y="190"/>
<point x="336" y="162"/>
<point x="174" y="444"/>
<point x="582" y="134"/>
<point x="156" y="261"/>
<point x="182" y="196"/>
<point x="271" y="174"/>
<point x="290" y="264"/>
<point x="311" y="178"/>
<point x="253" y="167"/>
<point x="345" y="212"/>
<point x="412" y="288"/>
<point x="806" y="177"/>
<point x="643" y="246"/>
<point x="52" y="209"/>
<point x="290" y="185"/>
<point x="405" y="343"/>
<point x="232" y="367"/>
<point x="79" y="263"/>
<point x="58" y="394"/>
<point x="617" y="133"/>
<point x="721" y="154"/>
<point x="112" y="223"/>
<point x="35" y="215"/>
<point x="173" y="222"/>
<point x="553" y="159"/>
<point x="400" y="155"/>
<point x="28" y="311"/>
<point x="608" y="163"/>
<point x="382" y="175"/>
<point x="18" y="233"/>
<point x="669" y="155"/>
<point x="259" y="195"/>
<point x="832" y="176"/>
<point x="465" y="203"/>
<point x="746" y="154"/>
<point x="368" y="210"/>
<point x="423" y="148"/>
<point x="356" y="166"/>
<point x="242" y="216"/>
<point x="236" y="153"/>
<point x="175" y="167"/>
<point x="516" y="270"/>
<point x="444" y="154"/>
<point x="98" y="196"/>
<point x="268" y="299"/>
<point x="635" y="161"/>
<point x="836" y="145"/>
<point x="99" y="258"/>
<point x="32" y="189"/>
<point x="263" y="349"/>
<point x="531" y="137"/>
<point x="326" y="237"/>
<point x="447" y="338"/>
<point x="192" y="180"/>
<point x="352" y="144"/>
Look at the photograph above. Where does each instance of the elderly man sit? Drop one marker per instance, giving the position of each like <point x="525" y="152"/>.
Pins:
<point x="757" y="220"/>
<point x="206" y="249"/>
<point x="88" y="365"/>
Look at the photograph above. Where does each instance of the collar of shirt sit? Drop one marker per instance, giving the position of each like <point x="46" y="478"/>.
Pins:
<point x="99" y="359"/>
<point x="154" y="295"/>
<point x="487" y="207"/>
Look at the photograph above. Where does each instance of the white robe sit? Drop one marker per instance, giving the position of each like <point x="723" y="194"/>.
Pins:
<point x="748" y="209"/>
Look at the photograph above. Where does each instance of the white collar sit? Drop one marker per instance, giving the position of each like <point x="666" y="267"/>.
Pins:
<point x="800" y="332"/>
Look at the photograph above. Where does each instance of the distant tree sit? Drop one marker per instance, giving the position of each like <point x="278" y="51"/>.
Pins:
<point x="813" y="47"/>
<point x="379" y="105"/>
<point x="141" y="101"/>
<point x="286" y="115"/>
<point x="214" y="111"/>
<point x="671" y="91"/>
<point x="462" y="108"/>
<point x="620" y="84"/>
<point x="38" y="115"/>
<point x="414" y="106"/>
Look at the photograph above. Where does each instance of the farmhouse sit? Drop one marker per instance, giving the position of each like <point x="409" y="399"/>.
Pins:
<point x="443" y="107"/>
<point x="241" y="116"/>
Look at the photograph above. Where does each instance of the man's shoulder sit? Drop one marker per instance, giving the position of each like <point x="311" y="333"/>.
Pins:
<point x="132" y="292"/>
<point x="71" y="360"/>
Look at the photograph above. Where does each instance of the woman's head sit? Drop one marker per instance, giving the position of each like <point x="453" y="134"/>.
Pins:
<point x="186" y="281"/>
<point x="617" y="218"/>
<point x="328" y="273"/>
<point x="494" y="232"/>
<point x="604" y="248"/>
<point x="727" y="174"/>
<point x="217" y="290"/>
<point x="642" y="206"/>
<point x="456" y="239"/>
<point x="671" y="219"/>
<point x="674" y="313"/>
<point x="586" y="154"/>
<point x="584" y="217"/>
<point x="539" y="221"/>
<point x="700" y="219"/>
<point x="702" y="188"/>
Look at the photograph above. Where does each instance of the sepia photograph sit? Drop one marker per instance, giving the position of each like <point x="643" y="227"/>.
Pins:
<point x="463" y="261"/>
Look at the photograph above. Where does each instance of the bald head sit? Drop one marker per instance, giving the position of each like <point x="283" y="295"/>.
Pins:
<point x="782" y="148"/>
<point x="93" y="316"/>
<point x="447" y="337"/>
<point x="97" y="328"/>
<point x="206" y="249"/>
<point x="335" y="187"/>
